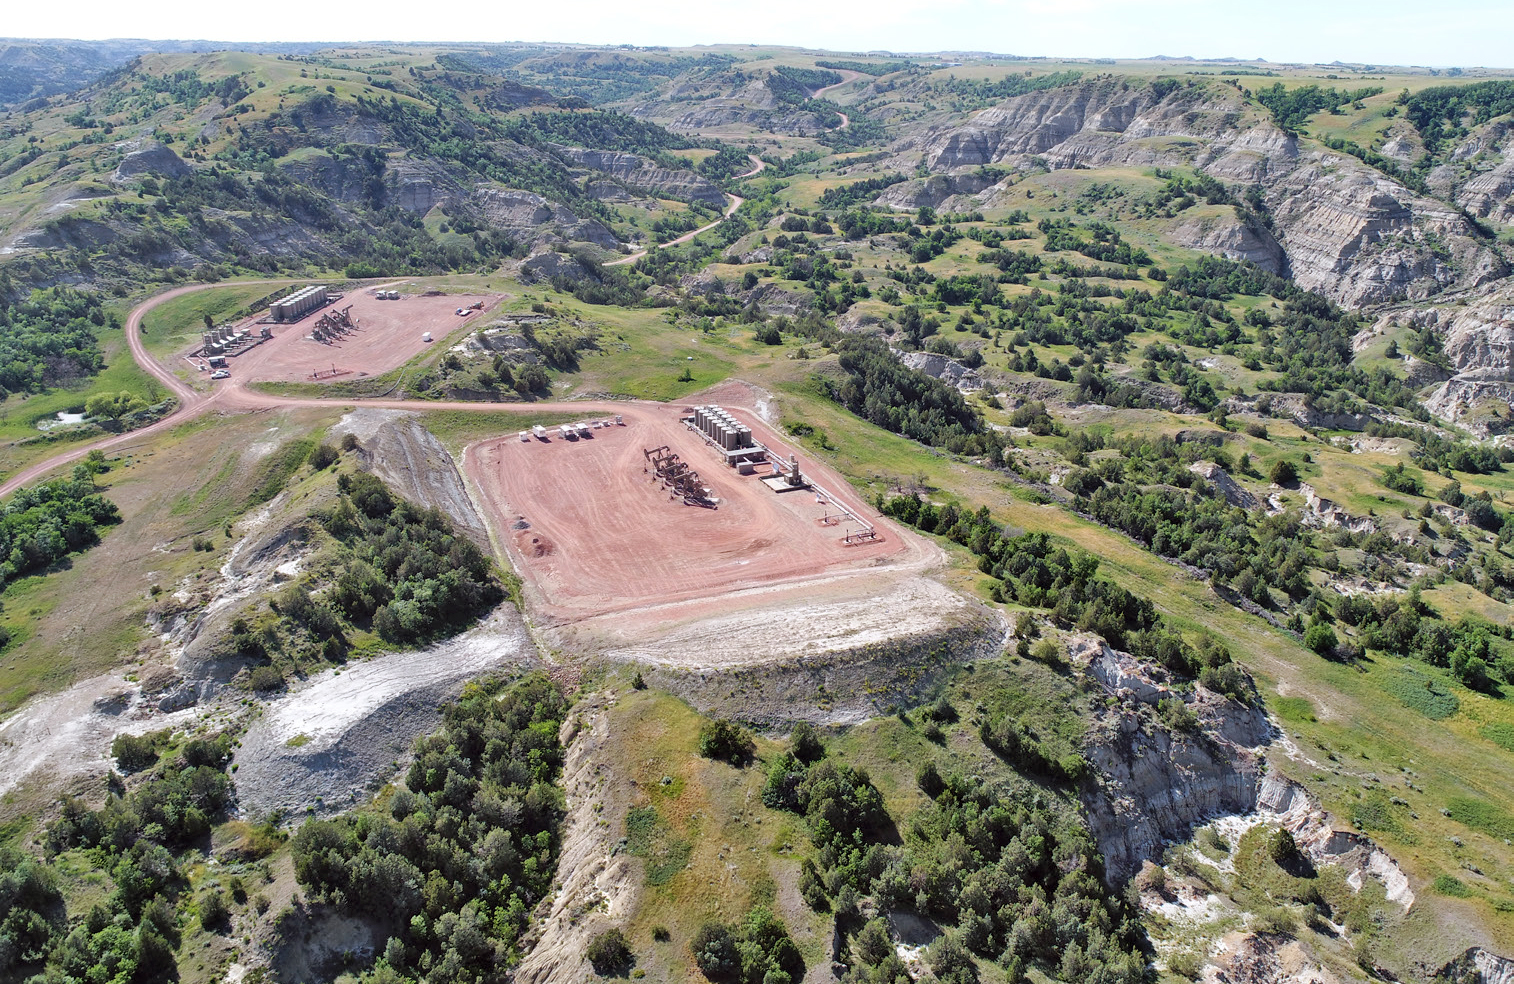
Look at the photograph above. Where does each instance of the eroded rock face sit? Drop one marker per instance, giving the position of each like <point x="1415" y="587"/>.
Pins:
<point x="934" y="191"/>
<point x="1286" y="803"/>
<point x="534" y="217"/>
<point x="150" y="158"/>
<point x="1345" y="229"/>
<point x="1227" y="486"/>
<point x="1232" y="237"/>
<point x="943" y="368"/>
<point x="549" y="264"/>
<point x="641" y="174"/>
<point x="1478" y="966"/>
<point x="1266" y="958"/>
<point x="1153" y="784"/>
<point x="1478" y="341"/>
<point x="1319" y="511"/>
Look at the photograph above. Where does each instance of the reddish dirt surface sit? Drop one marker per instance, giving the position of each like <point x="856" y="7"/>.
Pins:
<point x="388" y="334"/>
<point x="604" y="536"/>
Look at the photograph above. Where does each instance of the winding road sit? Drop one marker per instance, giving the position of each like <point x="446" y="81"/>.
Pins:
<point x="847" y="77"/>
<point x="736" y="200"/>
<point x="233" y="395"/>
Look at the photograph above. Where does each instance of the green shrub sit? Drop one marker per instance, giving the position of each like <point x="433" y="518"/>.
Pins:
<point x="1176" y="715"/>
<point x="1421" y="692"/>
<point x="1320" y="638"/>
<point x="323" y="456"/>
<point x="1481" y="815"/>
<point x="213" y="911"/>
<point x="725" y="740"/>
<point x="265" y="679"/>
<point x="1500" y="734"/>
<point x="1284" y="472"/>
<point x="714" y="950"/>
<point x="1452" y="886"/>
<point x="805" y="743"/>
<point x="133" y="753"/>
<point x="609" y="952"/>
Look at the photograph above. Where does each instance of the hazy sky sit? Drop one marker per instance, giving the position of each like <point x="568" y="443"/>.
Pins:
<point x="1419" y="32"/>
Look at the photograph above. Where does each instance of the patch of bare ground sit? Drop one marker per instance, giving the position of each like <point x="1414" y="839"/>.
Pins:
<point x="382" y="336"/>
<point x="596" y="887"/>
<point x="67" y="735"/>
<point x="396" y="448"/>
<point x="838" y="686"/>
<point x="592" y="529"/>
<point x="343" y="732"/>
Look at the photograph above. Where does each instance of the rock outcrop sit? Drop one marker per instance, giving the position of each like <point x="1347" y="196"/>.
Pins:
<point x="549" y="264"/>
<point x="1478" y="341"/>
<point x="1477" y="966"/>
<point x="935" y="191"/>
<point x="1285" y="803"/>
<point x="946" y="369"/>
<point x="535" y="218"/>
<point x="1346" y="229"/>
<point x="640" y="174"/>
<point x="1319" y="511"/>
<point x="1153" y="784"/>
<point x="1227" y="486"/>
<point x="1223" y="233"/>
<point x="148" y="157"/>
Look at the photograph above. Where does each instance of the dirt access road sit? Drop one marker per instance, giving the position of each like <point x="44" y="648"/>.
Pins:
<point x="757" y="168"/>
<point x="847" y="77"/>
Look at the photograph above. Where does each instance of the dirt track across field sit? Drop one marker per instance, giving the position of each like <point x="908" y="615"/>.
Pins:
<point x="603" y="536"/>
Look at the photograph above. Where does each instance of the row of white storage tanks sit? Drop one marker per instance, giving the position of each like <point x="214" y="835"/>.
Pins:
<point x="570" y="431"/>
<point x="722" y="428"/>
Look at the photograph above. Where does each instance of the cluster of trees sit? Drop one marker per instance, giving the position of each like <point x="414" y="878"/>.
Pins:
<point x="1017" y="888"/>
<point x="724" y="164"/>
<point x="1291" y="108"/>
<point x="50" y="338"/>
<point x="385" y="240"/>
<point x="407" y="570"/>
<point x="982" y="92"/>
<point x="451" y="870"/>
<point x="1032" y="571"/>
<point x="42" y="524"/>
<point x="31" y="910"/>
<point x="1473" y="650"/>
<point x="1106" y="244"/>
<point x="130" y="935"/>
<point x="1184" y="191"/>
<point x="1015" y="884"/>
<point x="869" y="68"/>
<point x="596" y="81"/>
<point x="1444" y="113"/>
<point x="881" y="390"/>
<point x="794" y="85"/>
<point x="1186" y="518"/>
<point x="757" y="951"/>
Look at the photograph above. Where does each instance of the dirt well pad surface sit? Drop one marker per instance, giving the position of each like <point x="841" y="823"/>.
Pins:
<point x="388" y="334"/>
<point x="603" y="536"/>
